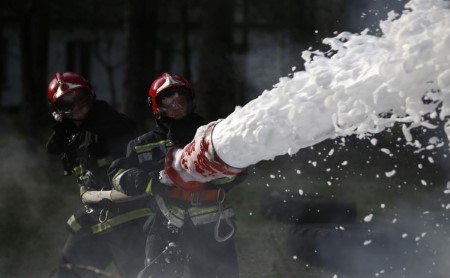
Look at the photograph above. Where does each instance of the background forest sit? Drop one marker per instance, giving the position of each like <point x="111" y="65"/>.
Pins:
<point x="231" y="50"/>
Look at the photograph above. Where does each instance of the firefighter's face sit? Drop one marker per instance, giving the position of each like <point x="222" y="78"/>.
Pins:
<point x="75" y="104"/>
<point x="175" y="106"/>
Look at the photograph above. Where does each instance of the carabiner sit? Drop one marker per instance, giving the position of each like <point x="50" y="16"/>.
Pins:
<point x="217" y="237"/>
<point x="101" y="218"/>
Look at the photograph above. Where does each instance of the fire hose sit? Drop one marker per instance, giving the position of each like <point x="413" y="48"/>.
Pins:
<point x="190" y="167"/>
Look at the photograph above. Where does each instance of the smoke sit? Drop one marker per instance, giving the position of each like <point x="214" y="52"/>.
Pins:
<point x="33" y="209"/>
<point x="425" y="222"/>
<point x="401" y="229"/>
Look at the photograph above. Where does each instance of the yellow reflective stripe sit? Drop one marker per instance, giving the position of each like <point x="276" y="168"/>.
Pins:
<point x="104" y="161"/>
<point x="78" y="170"/>
<point x="116" y="180"/>
<point x="177" y="212"/>
<point x="149" y="147"/>
<point x="212" y="217"/>
<point x="101" y="162"/>
<point x="120" y="171"/>
<point x="120" y="219"/>
<point x="149" y="187"/>
<point x="74" y="224"/>
<point x="175" y="220"/>
<point x="196" y="211"/>
<point x="169" y="143"/>
<point x="223" y="180"/>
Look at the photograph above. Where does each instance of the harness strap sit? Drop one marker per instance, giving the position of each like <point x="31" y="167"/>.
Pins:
<point x="120" y="219"/>
<point x="166" y="212"/>
<point x="76" y="226"/>
<point x="196" y="198"/>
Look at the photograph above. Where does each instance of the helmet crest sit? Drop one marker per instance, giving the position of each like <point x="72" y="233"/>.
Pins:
<point x="169" y="81"/>
<point x="62" y="84"/>
<point x="65" y="82"/>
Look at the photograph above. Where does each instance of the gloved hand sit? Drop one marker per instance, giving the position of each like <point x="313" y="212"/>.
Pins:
<point x="161" y="183"/>
<point x="178" y="175"/>
<point x="88" y="180"/>
<point x="164" y="178"/>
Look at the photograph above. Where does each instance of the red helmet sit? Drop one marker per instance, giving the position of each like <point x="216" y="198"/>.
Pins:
<point x="65" y="82"/>
<point x="162" y="84"/>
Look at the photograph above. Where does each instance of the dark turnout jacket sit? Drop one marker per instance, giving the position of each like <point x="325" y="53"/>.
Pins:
<point x="138" y="172"/>
<point x="92" y="146"/>
<point x="195" y="225"/>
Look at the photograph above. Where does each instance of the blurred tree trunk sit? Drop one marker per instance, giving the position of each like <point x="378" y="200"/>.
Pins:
<point x="185" y="39"/>
<point x="140" y="35"/>
<point x="2" y="55"/>
<point x="34" y="51"/>
<point x="218" y="82"/>
<point x="106" y="59"/>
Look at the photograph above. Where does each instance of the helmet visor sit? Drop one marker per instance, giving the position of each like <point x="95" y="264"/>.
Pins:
<point x="70" y="101"/>
<point x="176" y="106"/>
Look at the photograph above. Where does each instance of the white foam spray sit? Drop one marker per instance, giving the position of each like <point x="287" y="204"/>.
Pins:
<point x="369" y="84"/>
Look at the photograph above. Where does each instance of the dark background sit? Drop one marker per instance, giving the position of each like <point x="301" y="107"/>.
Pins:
<point x="231" y="50"/>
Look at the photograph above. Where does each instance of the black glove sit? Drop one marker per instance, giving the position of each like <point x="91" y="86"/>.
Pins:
<point x="88" y="180"/>
<point x="105" y="203"/>
<point x="134" y="182"/>
<point x="161" y="183"/>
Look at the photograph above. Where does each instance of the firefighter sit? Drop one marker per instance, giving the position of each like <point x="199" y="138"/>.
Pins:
<point x="89" y="135"/>
<point x="188" y="228"/>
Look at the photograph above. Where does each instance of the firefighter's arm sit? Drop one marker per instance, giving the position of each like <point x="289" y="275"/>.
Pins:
<point x="129" y="176"/>
<point x="55" y="144"/>
<point x="136" y="182"/>
<point x="124" y="173"/>
<point x="93" y="197"/>
<point x="143" y="186"/>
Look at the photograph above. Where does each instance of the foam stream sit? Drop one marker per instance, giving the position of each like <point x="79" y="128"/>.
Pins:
<point x="369" y="84"/>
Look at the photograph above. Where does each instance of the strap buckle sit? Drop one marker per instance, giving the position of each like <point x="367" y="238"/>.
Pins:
<point x="195" y="198"/>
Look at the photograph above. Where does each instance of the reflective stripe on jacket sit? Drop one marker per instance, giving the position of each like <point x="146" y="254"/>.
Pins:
<point x="101" y="162"/>
<point x="198" y="215"/>
<point x="144" y="152"/>
<point x="75" y="225"/>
